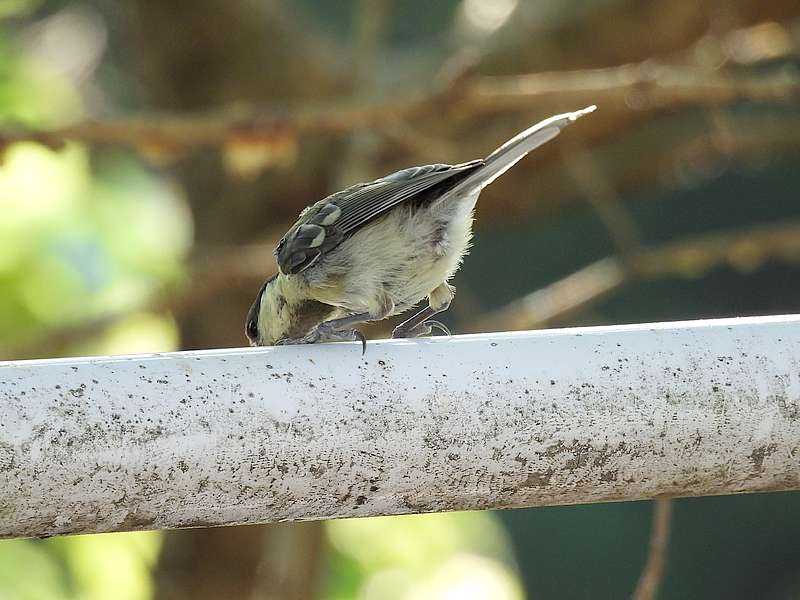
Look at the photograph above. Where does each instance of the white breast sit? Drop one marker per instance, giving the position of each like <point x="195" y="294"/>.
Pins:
<point x="403" y="256"/>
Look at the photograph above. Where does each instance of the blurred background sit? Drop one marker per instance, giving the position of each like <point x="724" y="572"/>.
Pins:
<point x="153" y="152"/>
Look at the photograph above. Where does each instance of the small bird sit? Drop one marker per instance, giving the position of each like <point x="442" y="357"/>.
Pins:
<point x="377" y="249"/>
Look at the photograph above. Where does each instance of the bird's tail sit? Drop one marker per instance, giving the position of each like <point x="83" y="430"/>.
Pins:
<point x="507" y="155"/>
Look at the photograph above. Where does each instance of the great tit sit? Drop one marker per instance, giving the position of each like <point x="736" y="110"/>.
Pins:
<point x="377" y="249"/>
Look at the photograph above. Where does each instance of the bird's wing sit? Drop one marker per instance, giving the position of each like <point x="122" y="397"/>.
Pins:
<point x="326" y="224"/>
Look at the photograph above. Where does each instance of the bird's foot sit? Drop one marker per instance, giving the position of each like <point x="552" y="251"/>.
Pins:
<point x="420" y="329"/>
<point x="325" y="332"/>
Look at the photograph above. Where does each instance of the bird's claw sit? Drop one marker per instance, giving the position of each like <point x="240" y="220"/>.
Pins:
<point x="420" y="330"/>
<point x="325" y="333"/>
<point x="438" y="325"/>
<point x="357" y="335"/>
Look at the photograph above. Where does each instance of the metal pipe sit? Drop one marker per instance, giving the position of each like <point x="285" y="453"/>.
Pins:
<point x="568" y="416"/>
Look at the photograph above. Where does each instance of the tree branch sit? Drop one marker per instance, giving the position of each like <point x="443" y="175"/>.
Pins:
<point x="650" y="579"/>
<point x="645" y="85"/>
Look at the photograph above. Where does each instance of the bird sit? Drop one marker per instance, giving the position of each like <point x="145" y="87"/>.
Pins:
<point x="377" y="249"/>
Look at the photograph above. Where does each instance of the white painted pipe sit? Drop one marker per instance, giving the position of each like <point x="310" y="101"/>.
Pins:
<point x="469" y="422"/>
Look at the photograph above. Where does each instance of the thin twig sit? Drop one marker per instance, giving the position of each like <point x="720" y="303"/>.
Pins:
<point x="558" y="300"/>
<point x="643" y="85"/>
<point x="650" y="578"/>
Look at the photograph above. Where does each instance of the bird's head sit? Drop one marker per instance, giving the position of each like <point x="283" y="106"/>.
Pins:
<point x="283" y="312"/>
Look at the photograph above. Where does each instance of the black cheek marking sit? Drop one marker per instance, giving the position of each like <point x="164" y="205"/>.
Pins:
<point x="307" y="315"/>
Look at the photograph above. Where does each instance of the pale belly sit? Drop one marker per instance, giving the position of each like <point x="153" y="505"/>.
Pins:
<point x="397" y="261"/>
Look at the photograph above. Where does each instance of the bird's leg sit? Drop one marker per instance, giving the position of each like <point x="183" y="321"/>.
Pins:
<point x="421" y="323"/>
<point x="341" y="329"/>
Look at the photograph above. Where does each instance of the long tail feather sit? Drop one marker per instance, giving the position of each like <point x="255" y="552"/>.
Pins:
<point x="507" y="155"/>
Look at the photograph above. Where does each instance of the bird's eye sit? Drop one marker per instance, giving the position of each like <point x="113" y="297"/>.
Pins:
<point x="252" y="329"/>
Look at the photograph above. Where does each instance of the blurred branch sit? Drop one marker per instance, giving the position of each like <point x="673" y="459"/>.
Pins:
<point x="596" y="186"/>
<point x="639" y="86"/>
<point x="558" y="300"/>
<point x="289" y="562"/>
<point x="232" y="566"/>
<point x="370" y="18"/>
<point x="609" y="33"/>
<point x="650" y="579"/>
<point x="691" y="258"/>
<point x="176" y="132"/>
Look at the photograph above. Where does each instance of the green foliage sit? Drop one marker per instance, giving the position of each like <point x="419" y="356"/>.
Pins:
<point x="421" y="557"/>
<point x="99" y="242"/>
<point x="19" y="560"/>
<point x="81" y="236"/>
<point x="80" y="567"/>
<point x="15" y="8"/>
<point x="114" y="565"/>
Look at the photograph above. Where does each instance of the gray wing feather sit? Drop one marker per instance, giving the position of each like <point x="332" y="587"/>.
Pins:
<point x="329" y="222"/>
